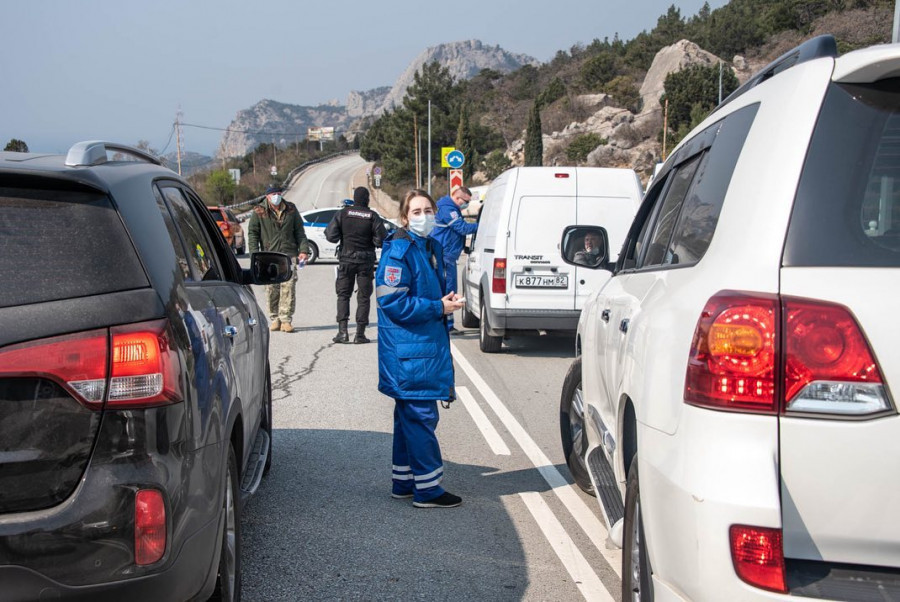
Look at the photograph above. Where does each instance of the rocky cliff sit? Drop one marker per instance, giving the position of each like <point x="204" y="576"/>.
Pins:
<point x="464" y="60"/>
<point x="269" y="120"/>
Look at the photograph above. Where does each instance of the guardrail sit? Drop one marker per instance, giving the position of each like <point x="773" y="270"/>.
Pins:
<point x="292" y="174"/>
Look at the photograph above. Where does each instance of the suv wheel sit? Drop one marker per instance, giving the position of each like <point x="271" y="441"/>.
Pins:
<point x="636" y="582"/>
<point x="571" y="427"/>
<point x="486" y="342"/>
<point x="268" y="420"/>
<point x="228" y="583"/>
<point x="313" y="253"/>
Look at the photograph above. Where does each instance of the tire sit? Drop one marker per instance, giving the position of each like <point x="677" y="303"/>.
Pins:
<point x="313" y="253"/>
<point x="572" y="427"/>
<point x="486" y="342"/>
<point x="637" y="584"/>
<point x="228" y="581"/>
<point x="268" y="420"/>
<point x="469" y="320"/>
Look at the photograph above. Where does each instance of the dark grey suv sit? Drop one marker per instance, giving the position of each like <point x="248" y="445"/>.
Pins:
<point x="135" y="406"/>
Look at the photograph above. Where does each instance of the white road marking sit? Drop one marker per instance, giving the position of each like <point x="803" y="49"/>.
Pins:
<point x="586" y="580"/>
<point x="587" y="520"/>
<point x="496" y="443"/>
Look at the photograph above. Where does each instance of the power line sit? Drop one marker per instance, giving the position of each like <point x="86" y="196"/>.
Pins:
<point x="255" y="132"/>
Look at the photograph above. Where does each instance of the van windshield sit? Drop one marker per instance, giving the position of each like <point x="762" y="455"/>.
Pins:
<point x="847" y="208"/>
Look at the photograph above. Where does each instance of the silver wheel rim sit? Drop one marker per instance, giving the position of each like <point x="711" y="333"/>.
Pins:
<point x="576" y="423"/>
<point x="636" y="553"/>
<point x="230" y="536"/>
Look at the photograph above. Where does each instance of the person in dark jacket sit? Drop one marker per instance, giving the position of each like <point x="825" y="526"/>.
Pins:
<point x="450" y="229"/>
<point x="276" y="225"/>
<point x="359" y="231"/>
<point x="414" y="363"/>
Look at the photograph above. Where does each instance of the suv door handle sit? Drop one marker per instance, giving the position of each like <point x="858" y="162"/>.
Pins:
<point x="605" y="315"/>
<point x="252" y="321"/>
<point x="230" y="332"/>
<point x="623" y="325"/>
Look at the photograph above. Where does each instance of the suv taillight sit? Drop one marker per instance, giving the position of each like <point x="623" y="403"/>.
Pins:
<point x="733" y="354"/>
<point x="826" y="365"/>
<point x="139" y="369"/>
<point x="498" y="280"/>
<point x="758" y="556"/>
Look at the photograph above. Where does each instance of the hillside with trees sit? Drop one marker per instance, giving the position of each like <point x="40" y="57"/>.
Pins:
<point x="509" y="119"/>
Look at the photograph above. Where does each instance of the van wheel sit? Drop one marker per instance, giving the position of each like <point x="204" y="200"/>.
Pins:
<point x="571" y="427"/>
<point x="486" y="342"/>
<point x="637" y="584"/>
<point x="228" y="582"/>
<point x="313" y="253"/>
<point x="469" y="320"/>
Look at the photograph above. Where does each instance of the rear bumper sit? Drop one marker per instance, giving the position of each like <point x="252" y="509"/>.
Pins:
<point x="503" y="320"/>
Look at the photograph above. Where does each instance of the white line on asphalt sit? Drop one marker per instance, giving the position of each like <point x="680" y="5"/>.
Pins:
<point x="589" y="523"/>
<point x="586" y="580"/>
<point x="484" y="425"/>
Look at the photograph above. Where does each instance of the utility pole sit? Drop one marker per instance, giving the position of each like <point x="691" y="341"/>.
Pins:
<point x="665" y="129"/>
<point x="416" y="142"/>
<point x="274" y="154"/>
<point x="720" y="82"/>
<point x="429" y="145"/>
<point x="895" y="33"/>
<point x="178" y="138"/>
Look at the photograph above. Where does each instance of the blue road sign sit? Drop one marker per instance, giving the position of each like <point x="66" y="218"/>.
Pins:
<point x="456" y="159"/>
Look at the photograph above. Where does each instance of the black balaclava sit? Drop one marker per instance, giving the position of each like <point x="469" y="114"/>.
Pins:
<point x="361" y="196"/>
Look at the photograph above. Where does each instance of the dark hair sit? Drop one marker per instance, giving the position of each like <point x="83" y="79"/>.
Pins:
<point x="404" y="204"/>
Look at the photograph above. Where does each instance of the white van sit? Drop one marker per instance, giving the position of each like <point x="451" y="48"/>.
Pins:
<point x="515" y="278"/>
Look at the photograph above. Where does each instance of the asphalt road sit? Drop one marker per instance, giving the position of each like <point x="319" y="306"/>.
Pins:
<point x="323" y="525"/>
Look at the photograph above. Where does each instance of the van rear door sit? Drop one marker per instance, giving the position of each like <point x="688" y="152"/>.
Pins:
<point x="544" y="205"/>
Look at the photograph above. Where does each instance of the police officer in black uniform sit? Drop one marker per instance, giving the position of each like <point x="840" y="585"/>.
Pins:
<point x="359" y="230"/>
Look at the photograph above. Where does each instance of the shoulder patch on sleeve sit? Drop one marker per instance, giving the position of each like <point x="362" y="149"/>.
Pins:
<point x="392" y="275"/>
<point x="454" y="215"/>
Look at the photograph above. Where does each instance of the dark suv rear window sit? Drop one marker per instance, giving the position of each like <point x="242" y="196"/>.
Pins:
<point x="847" y="209"/>
<point x="59" y="244"/>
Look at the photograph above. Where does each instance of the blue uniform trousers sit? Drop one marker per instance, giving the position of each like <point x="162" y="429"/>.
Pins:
<point x="450" y="278"/>
<point x="417" y="464"/>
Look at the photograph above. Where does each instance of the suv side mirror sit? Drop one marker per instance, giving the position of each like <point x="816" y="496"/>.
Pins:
<point x="585" y="246"/>
<point x="268" y="268"/>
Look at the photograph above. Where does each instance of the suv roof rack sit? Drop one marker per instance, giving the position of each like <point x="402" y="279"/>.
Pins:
<point x="818" y="47"/>
<point x="93" y="152"/>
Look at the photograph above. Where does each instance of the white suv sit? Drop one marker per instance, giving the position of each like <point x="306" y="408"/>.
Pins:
<point x="741" y="357"/>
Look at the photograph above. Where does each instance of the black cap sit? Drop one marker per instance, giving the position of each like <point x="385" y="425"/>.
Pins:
<point x="361" y="196"/>
<point x="274" y="189"/>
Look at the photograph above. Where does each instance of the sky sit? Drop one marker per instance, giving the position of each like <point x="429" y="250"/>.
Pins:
<point x="121" y="70"/>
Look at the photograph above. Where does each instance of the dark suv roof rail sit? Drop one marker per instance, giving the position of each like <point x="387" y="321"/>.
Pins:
<point x="814" y="48"/>
<point x="93" y="152"/>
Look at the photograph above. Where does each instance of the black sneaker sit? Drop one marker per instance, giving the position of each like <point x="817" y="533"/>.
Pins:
<point x="445" y="500"/>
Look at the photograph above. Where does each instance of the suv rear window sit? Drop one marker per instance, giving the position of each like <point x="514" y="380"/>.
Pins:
<point x="847" y="209"/>
<point x="64" y="244"/>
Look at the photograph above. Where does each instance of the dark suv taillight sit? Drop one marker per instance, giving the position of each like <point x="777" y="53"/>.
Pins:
<point x="138" y="369"/>
<point x="766" y="353"/>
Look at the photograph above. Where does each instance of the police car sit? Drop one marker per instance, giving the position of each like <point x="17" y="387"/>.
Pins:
<point x="314" y="223"/>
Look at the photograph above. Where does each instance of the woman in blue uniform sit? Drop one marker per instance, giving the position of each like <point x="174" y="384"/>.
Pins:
<point x="414" y="363"/>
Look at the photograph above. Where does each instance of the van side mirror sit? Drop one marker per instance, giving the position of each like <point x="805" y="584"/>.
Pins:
<point x="268" y="268"/>
<point x="585" y="246"/>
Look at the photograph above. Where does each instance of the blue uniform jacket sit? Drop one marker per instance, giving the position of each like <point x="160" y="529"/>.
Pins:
<point x="413" y="345"/>
<point x="450" y="229"/>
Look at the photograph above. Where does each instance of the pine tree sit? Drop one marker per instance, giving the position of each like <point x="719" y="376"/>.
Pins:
<point x="464" y="142"/>
<point x="534" y="144"/>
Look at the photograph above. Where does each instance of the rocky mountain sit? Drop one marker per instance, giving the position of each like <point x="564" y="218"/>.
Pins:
<point x="269" y="120"/>
<point x="464" y="60"/>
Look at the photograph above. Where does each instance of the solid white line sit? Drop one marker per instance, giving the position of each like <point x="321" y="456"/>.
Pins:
<point x="586" y="580"/>
<point x="496" y="443"/>
<point x="587" y="520"/>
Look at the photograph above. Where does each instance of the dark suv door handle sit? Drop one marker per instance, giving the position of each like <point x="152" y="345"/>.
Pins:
<point x="623" y="325"/>
<point x="605" y="315"/>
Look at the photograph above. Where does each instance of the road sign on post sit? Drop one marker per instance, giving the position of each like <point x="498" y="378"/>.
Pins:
<point x="456" y="159"/>
<point x="446" y="150"/>
<point x="377" y="180"/>
<point x="456" y="178"/>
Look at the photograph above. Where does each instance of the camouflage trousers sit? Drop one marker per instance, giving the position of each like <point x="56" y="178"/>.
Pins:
<point x="282" y="299"/>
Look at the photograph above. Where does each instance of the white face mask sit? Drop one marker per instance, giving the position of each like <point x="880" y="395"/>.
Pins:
<point x="594" y="251"/>
<point x="275" y="199"/>
<point x="422" y="224"/>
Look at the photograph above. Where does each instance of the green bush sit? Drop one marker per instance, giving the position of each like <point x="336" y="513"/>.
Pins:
<point x="582" y="146"/>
